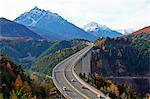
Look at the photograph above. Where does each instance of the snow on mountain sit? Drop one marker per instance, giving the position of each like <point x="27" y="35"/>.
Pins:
<point x="50" y="24"/>
<point x="126" y="31"/>
<point x="100" y="30"/>
<point x="35" y="15"/>
<point x="94" y="27"/>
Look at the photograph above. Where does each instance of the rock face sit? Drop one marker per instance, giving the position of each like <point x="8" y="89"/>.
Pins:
<point x="13" y="29"/>
<point x="51" y="25"/>
<point x="100" y="30"/>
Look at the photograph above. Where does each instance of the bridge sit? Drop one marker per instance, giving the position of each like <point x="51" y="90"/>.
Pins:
<point x="66" y="76"/>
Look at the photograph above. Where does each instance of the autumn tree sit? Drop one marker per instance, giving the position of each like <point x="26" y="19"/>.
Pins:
<point x="18" y="82"/>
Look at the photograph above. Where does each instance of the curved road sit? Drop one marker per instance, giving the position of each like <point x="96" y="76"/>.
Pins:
<point x="62" y="76"/>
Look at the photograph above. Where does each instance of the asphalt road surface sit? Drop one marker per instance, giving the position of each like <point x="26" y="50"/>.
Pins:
<point x="62" y="77"/>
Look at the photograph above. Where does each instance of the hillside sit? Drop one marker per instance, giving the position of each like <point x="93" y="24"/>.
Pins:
<point x="143" y="30"/>
<point x="50" y="25"/>
<point x="125" y="54"/>
<point x="143" y="33"/>
<point x="100" y="30"/>
<point x="13" y="29"/>
<point x="24" y="51"/>
<point x="52" y="56"/>
<point x="15" y="84"/>
<point x="123" y="57"/>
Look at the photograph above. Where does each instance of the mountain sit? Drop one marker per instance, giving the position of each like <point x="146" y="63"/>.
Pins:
<point x="100" y="30"/>
<point x="143" y="33"/>
<point x="13" y="29"/>
<point x="52" y="25"/>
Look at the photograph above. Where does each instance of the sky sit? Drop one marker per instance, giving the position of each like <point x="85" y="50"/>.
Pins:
<point x="116" y="14"/>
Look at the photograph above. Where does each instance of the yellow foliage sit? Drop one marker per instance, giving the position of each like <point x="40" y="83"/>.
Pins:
<point x="109" y="81"/>
<point x="112" y="88"/>
<point x="116" y="91"/>
<point x="108" y="88"/>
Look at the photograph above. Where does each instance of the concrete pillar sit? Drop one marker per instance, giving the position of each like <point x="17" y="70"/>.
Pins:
<point x="86" y="63"/>
<point x="78" y="67"/>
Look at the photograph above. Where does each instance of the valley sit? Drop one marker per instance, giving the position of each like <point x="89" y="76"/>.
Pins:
<point x="44" y="55"/>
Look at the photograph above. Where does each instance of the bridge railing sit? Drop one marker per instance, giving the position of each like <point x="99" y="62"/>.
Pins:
<point x="54" y="80"/>
<point x="93" y="89"/>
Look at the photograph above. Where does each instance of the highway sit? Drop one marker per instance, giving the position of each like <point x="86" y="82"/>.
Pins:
<point x="62" y="76"/>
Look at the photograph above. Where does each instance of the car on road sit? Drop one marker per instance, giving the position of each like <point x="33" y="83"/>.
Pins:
<point x="100" y="97"/>
<point x="64" y="89"/>
<point x="73" y="80"/>
<point x="82" y="86"/>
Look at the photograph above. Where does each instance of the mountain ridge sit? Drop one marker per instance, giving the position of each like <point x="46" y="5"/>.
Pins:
<point x="53" y="24"/>
<point x="13" y="29"/>
<point x="143" y="30"/>
<point x="143" y="33"/>
<point x="100" y="30"/>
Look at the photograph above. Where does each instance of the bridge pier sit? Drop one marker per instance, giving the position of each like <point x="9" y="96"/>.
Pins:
<point x="84" y="64"/>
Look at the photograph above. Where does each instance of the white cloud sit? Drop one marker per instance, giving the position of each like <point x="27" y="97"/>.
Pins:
<point x="113" y="13"/>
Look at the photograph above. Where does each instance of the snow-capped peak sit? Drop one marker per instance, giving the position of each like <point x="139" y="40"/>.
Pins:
<point x="100" y="30"/>
<point x="35" y="15"/>
<point x="93" y="26"/>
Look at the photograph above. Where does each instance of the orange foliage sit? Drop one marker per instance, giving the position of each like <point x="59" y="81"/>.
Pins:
<point x="114" y="89"/>
<point x="18" y="81"/>
<point x="102" y="42"/>
<point x="109" y="81"/>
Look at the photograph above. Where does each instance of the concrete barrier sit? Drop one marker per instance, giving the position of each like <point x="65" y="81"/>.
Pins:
<point x="93" y="89"/>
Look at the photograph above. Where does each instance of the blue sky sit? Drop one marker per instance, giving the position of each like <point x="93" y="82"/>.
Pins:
<point x="116" y="14"/>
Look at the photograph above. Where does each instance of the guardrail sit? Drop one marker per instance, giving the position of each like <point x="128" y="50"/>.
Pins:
<point x="73" y="66"/>
<point x="54" y="80"/>
<point x="93" y="89"/>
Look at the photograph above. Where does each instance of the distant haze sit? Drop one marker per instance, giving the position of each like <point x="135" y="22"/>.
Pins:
<point x="116" y="14"/>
